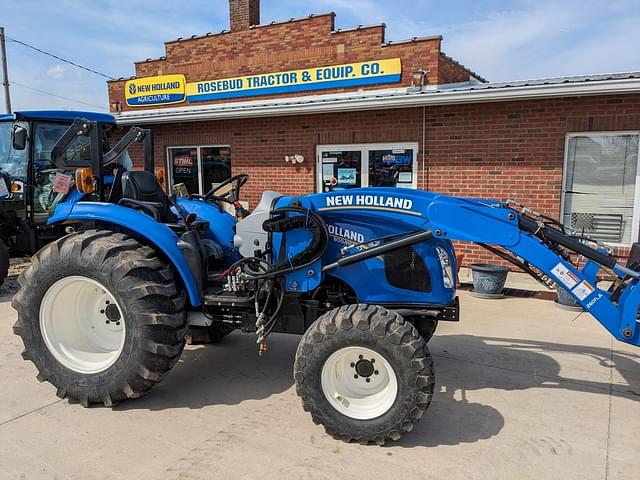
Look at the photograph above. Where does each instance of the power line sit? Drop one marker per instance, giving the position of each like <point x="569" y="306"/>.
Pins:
<point x="58" y="58"/>
<point x="55" y="95"/>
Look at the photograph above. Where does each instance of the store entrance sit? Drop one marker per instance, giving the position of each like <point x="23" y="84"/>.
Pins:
<point x="199" y="168"/>
<point x="341" y="167"/>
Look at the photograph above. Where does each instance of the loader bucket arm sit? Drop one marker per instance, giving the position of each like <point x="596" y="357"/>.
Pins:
<point x="491" y="223"/>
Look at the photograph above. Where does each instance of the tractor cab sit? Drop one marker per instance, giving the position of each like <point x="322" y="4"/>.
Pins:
<point x="31" y="184"/>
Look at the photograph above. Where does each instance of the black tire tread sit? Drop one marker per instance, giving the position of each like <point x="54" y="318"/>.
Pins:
<point x="157" y="302"/>
<point x="384" y="324"/>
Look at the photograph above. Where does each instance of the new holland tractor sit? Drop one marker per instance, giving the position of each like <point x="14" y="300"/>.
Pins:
<point x="364" y="275"/>
<point x="30" y="186"/>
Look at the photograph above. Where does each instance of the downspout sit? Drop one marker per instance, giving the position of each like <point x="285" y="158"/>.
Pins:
<point x="424" y="148"/>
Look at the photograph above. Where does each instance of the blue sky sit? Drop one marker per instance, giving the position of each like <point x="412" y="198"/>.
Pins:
<point x="501" y="40"/>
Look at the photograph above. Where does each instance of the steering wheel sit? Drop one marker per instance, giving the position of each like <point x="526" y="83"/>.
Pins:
<point x="232" y="196"/>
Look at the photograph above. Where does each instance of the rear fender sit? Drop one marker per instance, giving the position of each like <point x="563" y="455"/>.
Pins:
<point x="161" y="237"/>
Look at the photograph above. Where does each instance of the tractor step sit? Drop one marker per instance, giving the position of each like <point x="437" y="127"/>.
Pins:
<point x="227" y="299"/>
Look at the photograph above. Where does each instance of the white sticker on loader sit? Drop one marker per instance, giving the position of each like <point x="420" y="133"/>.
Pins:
<point x="583" y="290"/>
<point x="566" y="276"/>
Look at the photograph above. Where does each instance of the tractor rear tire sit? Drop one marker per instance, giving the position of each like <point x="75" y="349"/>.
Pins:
<point x="4" y="262"/>
<point x="101" y="317"/>
<point x="364" y="373"/>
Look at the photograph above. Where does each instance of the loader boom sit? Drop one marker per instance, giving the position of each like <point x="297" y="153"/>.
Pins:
<point x="531" y="240"/>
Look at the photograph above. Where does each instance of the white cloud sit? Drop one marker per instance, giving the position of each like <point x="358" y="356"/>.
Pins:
<point x="55" y="72"/>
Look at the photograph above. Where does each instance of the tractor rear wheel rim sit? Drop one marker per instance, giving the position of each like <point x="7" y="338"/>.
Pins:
<point x="362" y="397"/>
<point x="82" y="324"/>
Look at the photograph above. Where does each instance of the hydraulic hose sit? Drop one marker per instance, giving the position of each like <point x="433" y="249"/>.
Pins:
<point x="547" y="233"/>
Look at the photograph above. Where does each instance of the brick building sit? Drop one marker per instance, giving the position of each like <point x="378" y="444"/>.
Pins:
<point x="303" y="107"/>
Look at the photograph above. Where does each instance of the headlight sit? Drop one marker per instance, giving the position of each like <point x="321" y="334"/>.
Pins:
<point x="447" y="270"/>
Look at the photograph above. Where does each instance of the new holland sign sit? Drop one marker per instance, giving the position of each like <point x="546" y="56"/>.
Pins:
<point x="172" y="88"/>
<point x="160" y="90"/>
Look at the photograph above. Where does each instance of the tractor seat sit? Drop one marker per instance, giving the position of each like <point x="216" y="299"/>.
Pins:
<point x="141" y="191"/>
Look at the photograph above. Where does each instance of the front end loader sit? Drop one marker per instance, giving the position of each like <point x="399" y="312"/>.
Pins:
<point x="364" y="275"/>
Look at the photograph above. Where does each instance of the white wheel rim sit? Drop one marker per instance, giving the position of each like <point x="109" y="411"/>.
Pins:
<point x="345" y="386"/>
<point x="82" y="324"/>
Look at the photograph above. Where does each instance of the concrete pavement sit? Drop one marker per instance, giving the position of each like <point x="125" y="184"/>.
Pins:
<point x="524" y="390"/>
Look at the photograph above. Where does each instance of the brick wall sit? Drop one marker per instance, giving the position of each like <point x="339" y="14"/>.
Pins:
<point x="489" y="150"/>
<point x="295" y="44"/>
<point x="450" y="71"/>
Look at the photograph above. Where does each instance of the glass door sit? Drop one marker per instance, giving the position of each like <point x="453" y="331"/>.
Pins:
<point x="391" y="167"/>
<point x="340" y="170"/>
<point x="341" y="167"/>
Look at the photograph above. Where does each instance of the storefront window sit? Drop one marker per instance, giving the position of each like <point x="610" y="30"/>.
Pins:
<point x="199" y="168"/>
<point x="184" y="167"/>
<point x="600" y="187"/>
<point x="216" y="165"/>
<point x="372" y="165"/>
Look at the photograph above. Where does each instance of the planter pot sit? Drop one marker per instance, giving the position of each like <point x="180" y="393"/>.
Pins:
<point x="488" y="280"/>
<point x="565" y="300"/>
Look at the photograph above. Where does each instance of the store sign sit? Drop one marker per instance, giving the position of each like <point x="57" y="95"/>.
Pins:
<point x="167" y="89"/>
<point x="336" y="76"/>
<point x="160" y="90"/>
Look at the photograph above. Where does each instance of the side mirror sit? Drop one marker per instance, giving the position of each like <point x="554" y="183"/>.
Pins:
<point x="19" y="137"/>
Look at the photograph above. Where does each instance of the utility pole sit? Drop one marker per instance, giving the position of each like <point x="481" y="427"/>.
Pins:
<point x="5" y="74"/>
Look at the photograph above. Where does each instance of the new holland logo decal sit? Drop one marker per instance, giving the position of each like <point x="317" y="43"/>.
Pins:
<point x="371" y="202"/>
<point x="161" y="90"/>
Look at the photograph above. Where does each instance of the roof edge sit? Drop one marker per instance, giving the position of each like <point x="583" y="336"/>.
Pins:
<point x="379" y="100"/>
<point x="253" y="27"/>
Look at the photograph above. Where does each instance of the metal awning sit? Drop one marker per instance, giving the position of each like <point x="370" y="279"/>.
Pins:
<point x="610" y="84"/>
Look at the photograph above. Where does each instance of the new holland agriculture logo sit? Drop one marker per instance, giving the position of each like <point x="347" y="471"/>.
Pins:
<point x="160" y="90"/>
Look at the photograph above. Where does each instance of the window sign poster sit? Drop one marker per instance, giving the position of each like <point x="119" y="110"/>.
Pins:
<point x="182" y="164"/>
<point x="347" y="176"/>
<point x="61" y="183"/>
<point x="330" y="160"/>
<point x="327" y="172"/>
<point x="395" y="159"/>
<point x="405" y="177"/>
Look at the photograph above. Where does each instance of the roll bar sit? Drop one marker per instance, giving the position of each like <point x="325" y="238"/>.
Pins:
<point x="82" y="127"/>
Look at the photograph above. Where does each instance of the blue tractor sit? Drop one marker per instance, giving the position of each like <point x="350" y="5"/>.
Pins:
<point x="364" y="275"/>
<point x="31" y="184"/>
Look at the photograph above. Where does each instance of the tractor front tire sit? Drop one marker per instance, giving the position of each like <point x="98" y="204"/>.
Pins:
<point x="364" y="373"/>
<point x="101" y="317"/>
<point x="426" y="327"/>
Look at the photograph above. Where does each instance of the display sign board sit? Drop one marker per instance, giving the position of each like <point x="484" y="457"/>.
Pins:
<point x="168" y="89"/>
<point x="160" y="90"/>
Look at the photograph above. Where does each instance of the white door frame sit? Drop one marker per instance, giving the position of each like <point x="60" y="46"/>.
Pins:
<point x="364" y="150"/>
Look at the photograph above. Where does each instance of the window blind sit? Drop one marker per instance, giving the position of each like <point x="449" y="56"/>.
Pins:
<point x="600" y="183"/>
